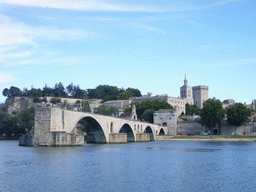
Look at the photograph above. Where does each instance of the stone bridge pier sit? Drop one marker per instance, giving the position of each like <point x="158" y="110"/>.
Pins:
<point x="58" y="127"/>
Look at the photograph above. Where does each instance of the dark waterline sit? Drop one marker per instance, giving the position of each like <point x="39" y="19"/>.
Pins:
<point x="149" y="166"/>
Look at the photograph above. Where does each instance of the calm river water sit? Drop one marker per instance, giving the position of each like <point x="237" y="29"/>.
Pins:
<point x="147" y="166"/>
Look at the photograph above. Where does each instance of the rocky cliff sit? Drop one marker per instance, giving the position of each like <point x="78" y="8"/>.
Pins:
<point x="18" y="104"/>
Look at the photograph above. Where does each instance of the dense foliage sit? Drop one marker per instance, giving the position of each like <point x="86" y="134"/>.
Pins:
<point x="104" y="110"/>
<point x="104" y="92"/>
<point x="145" y="109"/>
<point x="107" y="92"/>
<point x="15" y="125"/>
<point x="192" y="109"/>
<point x="238" y="114"/>
<point x="212" y="113"/>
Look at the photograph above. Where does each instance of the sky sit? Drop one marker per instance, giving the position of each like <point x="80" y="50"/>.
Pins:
<point x="144" y="44"/>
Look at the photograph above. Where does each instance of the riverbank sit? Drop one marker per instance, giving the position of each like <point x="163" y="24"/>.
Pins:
<point x="249" y="138"/>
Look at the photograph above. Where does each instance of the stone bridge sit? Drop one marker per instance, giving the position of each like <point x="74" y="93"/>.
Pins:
<point x="57" y="127"/>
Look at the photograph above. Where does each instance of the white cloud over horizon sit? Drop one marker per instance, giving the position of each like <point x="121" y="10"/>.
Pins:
<point x="101" y="5"/>
<point x="18" y="40"/>
<point x="81" y="5"/>
<point x="6" y="78"/>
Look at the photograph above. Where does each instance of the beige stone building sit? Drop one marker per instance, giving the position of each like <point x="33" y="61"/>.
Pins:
<point x="200" y="95"/>
<point x="118" y="104"/>
<point x="167" y="118"/>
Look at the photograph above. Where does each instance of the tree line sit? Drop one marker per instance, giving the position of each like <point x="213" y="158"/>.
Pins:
<point x="213" y="113"/>
<point x="145" y="109"/>
<point x="104" y="92"/>
<point x="13" y="125"/>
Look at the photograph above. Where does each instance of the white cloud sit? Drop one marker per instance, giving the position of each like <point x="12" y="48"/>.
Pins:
<point x="104" y="5"/>
<point x="6" y="78"/>
<point x="81" y="5"/>
<point x="20" y="41"/>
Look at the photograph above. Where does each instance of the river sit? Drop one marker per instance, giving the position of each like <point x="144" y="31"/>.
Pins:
<point x="147" y="166"/>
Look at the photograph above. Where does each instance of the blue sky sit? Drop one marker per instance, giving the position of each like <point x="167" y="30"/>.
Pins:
<point x="148" y="45"/>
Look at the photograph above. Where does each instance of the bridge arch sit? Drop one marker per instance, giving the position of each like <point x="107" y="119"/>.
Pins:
<point x="93" y="129"/>
<point x="126" y="128"/>
<point x="161" y="132"/>
<point x="150" y="131"/>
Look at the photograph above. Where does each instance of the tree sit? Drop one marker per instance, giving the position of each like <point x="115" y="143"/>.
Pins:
<point x="47" y="91"/>
<point x="70" y="89"/>
<point x="65" y="105"/>
<point x="86" y="106"/>
<point x="78" y="93"/>
<point x="18" y="124"/>
<point x="6" y="93"/>
<point x="104" y="92"/>
<point x="104" y="110"/>
<point x="125" y="95"/>
<point x="11" y="125"/>
<point x="3" y="115"/>
<point x="35" y="93"/>
<point x="59" y="90"/>
<point x="27" y="118"/>
<point x="135" y="92"/>
<point x="192" y="109"/>
<point x="148" y="115"/>
<point x="12" y="92"/>
<point x="144" y="105"/>
<point x="212" y="113"/>
<point x="238" y="114"/>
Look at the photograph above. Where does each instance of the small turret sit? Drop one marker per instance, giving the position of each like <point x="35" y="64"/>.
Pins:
<point x="133" y="113"/>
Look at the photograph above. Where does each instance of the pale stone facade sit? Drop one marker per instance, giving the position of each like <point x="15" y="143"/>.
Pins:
<point x="228" y="102"/>
<point x="175" y="102"/>
<point x="118" y="104"/>
<point x="167" y="118"/>
<point x="200" y="94"/>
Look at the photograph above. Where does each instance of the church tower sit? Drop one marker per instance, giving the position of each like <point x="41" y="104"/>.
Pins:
<point x="185" y="90"/>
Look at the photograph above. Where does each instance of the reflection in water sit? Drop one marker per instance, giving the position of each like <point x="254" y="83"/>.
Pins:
<point x="149" y="166"/>
<point x="182" y="150"/>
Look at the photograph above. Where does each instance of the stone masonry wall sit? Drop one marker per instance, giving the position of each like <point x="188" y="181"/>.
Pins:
<point x="185" y="128"/>
<point x="195" y="128"/>
<point x="42" y="133"/>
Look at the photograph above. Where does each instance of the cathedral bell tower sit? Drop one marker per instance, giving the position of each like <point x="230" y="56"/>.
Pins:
<point x="185" y="90"/>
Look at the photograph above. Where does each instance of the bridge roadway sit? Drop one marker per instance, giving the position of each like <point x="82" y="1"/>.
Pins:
<point x="57" y="127"/>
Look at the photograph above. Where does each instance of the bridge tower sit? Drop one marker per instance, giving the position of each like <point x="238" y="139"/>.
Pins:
<point x="134" y="114"/>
